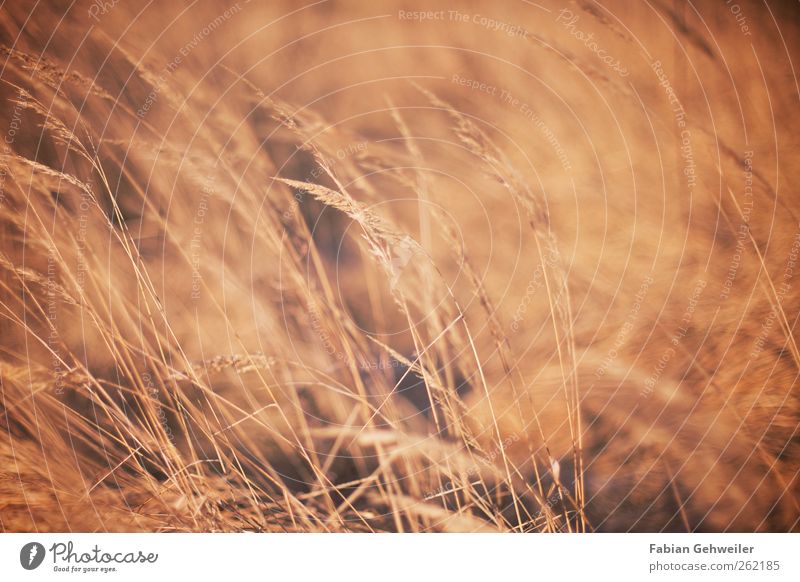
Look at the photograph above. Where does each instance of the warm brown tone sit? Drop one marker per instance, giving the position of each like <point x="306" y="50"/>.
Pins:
<point x="266" y="267"/>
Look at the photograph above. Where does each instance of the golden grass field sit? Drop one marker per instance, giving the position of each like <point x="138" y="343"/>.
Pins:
<point x="377" y="266"/>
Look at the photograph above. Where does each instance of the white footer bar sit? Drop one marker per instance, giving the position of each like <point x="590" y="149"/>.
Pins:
<point x="406" y="557"/>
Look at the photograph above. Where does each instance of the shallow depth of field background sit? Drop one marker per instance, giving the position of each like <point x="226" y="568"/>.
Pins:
<point x="378" y="266"/>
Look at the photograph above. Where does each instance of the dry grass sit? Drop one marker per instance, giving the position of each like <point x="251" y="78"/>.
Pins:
<point x="276" y="270"/>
